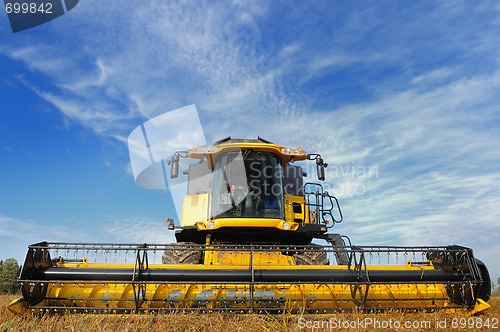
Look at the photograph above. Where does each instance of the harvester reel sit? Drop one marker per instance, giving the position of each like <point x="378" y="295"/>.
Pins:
<point x="247" y="279"/>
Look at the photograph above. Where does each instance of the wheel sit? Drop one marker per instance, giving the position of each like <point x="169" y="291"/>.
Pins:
<point x="485" y="292"/>
<point x="182" y="253"/>
<point x="312" y="255"/>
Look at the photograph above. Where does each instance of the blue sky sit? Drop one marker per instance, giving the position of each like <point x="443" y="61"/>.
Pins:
<point x="408" y="90"/>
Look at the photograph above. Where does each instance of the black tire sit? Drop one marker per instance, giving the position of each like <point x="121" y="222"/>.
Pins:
<point x="312" y="255"/>
<point x="485" y="291"/>
<point x="182" y="253"/>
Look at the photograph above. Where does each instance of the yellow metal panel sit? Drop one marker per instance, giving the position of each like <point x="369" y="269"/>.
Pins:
<point x="233" y="146"/>
<point x="247" y="222"/>
<point x="311" y="298"/>
<point x="479" y="306"/>
<point x="290" y="215"/>
<point x="194" y="209"/>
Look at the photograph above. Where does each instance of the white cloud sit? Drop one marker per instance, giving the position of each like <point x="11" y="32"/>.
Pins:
<point x="434" y="75"/>
<point x="138" y="229"/>
<point x="10" y="226"/>
<point x="16" y="234"/>
<point x="41" y="58"/>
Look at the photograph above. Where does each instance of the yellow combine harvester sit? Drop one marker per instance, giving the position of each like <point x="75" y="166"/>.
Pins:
<point x="245" y="244"/>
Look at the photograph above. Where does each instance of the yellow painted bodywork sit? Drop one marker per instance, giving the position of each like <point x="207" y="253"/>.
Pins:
<point x="194" y="213"/>
<point x="239" y="146"/>
<point x="194" y="209"/>
<point x="290" y="214"/>
<point x="312" y="298"/>
<point x="246" y="222"/>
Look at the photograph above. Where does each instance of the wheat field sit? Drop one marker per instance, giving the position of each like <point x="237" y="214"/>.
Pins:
<point x="394" y="321"/>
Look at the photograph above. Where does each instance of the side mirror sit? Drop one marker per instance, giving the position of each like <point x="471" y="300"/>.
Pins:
<point x="174" y="166"/>
<point x="320" y="165"/>
<point x="320" y="169"/>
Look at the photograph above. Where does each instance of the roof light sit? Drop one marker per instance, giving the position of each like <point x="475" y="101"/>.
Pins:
<point x="204" y="149"/>
<point x="293" y="151"/>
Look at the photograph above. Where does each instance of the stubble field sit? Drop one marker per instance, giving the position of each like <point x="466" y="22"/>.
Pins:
<point x="393" y="321"/>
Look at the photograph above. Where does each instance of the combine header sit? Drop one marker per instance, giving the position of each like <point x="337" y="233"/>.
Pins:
<point x="245" y="244"/>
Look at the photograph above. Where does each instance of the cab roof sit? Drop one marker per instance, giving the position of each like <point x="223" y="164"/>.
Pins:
<point x="260" y="144"/>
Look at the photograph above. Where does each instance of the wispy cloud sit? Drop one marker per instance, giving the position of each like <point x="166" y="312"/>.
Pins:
<point x="158" y="62"/>
<point x="32" y="231"/>
<point x="17" y="233"/>
<point x="138" y="229"/>
<point x="435" y="75"/>
<point x="435" y="152"/>
<point x="11" y="226"/>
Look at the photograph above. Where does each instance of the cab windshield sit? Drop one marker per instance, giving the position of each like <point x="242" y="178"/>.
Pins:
<point x="247" y="184"/>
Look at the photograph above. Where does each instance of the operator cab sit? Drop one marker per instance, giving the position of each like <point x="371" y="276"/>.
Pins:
<point x="245" y="190"/>
<point x="247" y="184"/>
